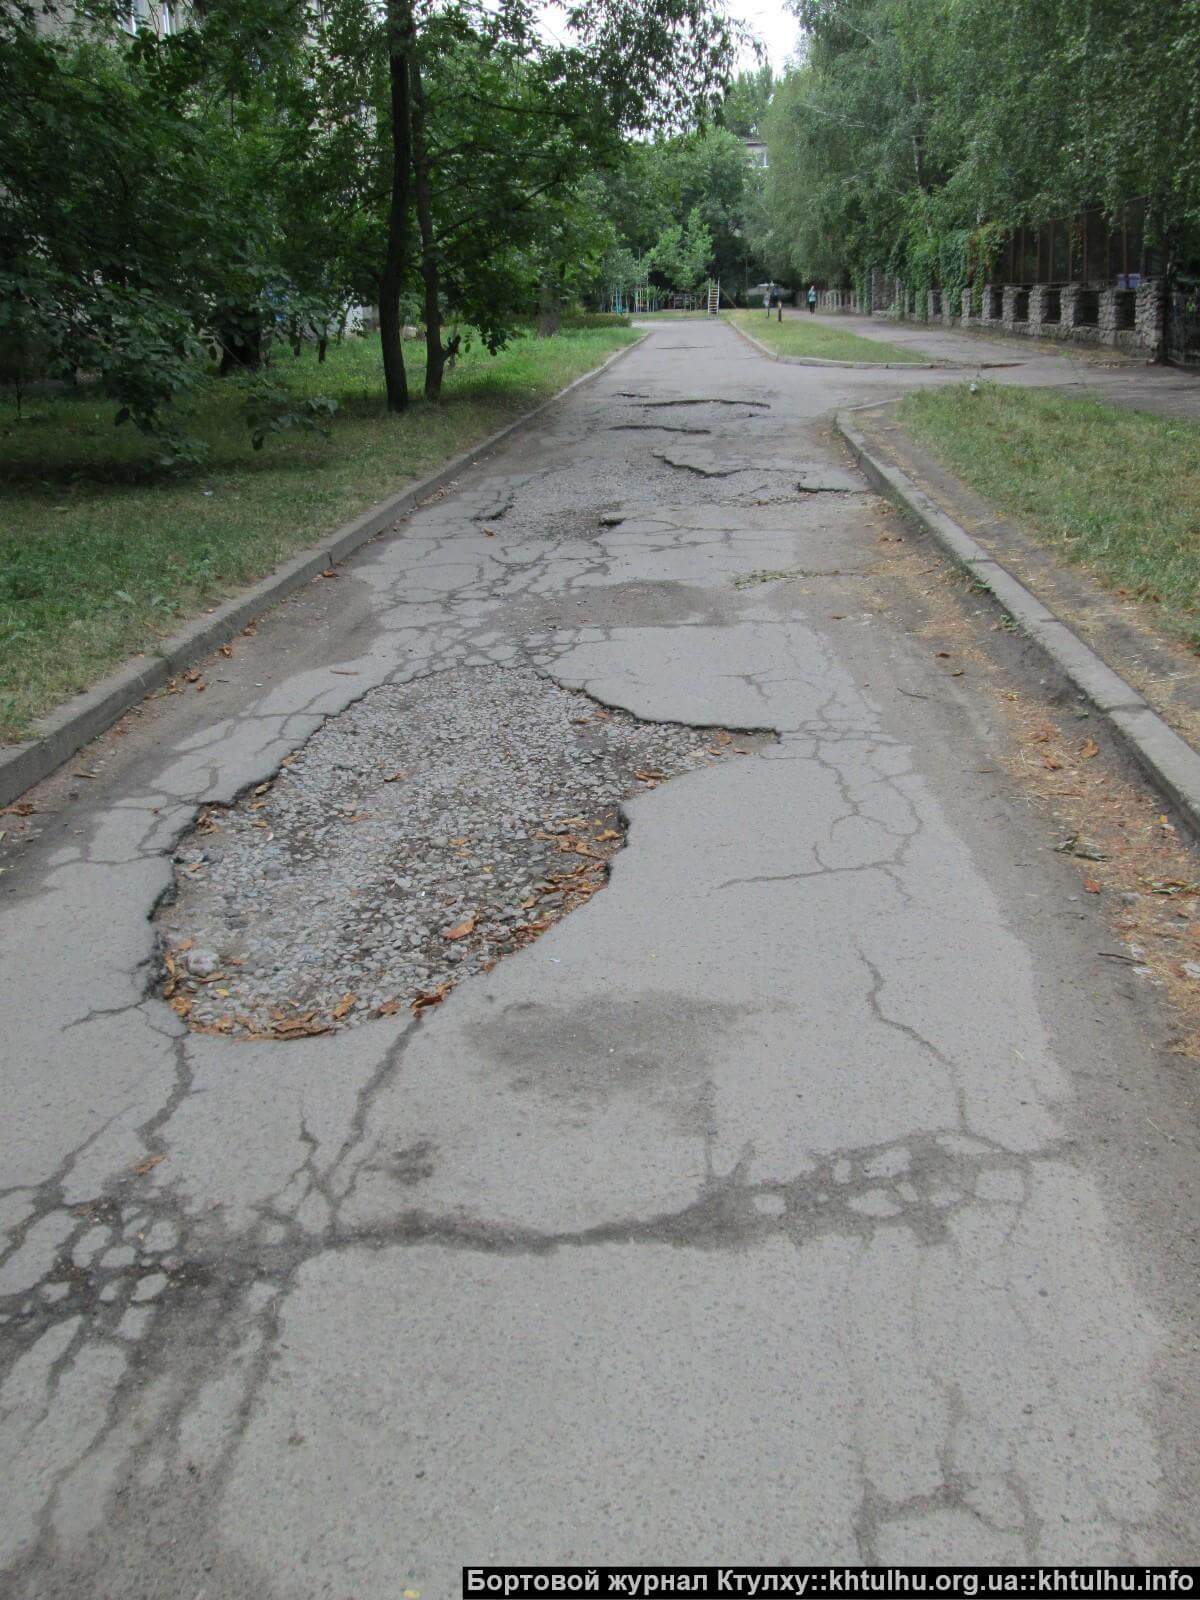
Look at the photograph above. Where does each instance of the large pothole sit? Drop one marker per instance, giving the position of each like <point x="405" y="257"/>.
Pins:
<point x="421" y="835"/>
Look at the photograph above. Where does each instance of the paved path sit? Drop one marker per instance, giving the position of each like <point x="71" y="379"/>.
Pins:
<point x="813" y="1194"/>
<point x="1118" y="378"/>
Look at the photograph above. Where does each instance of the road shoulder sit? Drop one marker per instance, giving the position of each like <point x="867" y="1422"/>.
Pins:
<point x="1145" y="687"/>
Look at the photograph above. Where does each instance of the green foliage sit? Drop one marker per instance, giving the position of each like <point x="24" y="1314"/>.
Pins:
<point x="227" y="187"/>
<point x="916" y="134"/>
<point x="666" y="196"/>
<point x="744" y="107"/>
<point x="683" y="251"/>
<point x="596" y="319"/>
<point x="1115" y="490"/>
<point x="102" y="552"/>
<point x="272" y="407"/>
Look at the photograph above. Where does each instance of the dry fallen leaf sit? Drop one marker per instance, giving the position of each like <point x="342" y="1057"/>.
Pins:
<point x="396" y="777"/>
<point x="227" y="651"/>
<point x="429" y="997"/>
<point x="148" y="1165"/>
<point x="1091" y="886"/>
<point x="1088" y="749"/>
<point x="389" y="1008"/>
<point x="301" y="1027"/>
<point x="609" y="833"/>
<point x="23" y="808"/>
<point x="345" y="1005"/>
<point x="461" y="929"/>
<point x="262" y="787"/>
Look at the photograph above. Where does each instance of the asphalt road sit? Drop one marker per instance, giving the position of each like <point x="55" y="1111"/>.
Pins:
<point x="813" y="1194"/>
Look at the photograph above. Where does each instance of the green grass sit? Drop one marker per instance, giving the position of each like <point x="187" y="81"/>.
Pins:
<point x="102" y="554"/>
<point x="808" y="336"/>
<point x="1113" y="490"/>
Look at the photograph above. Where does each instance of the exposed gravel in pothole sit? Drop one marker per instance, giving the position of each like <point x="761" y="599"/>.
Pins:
<point x="421" y="835"/>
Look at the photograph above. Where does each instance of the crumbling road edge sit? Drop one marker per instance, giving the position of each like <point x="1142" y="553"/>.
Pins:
<point x="1166" y="759"/>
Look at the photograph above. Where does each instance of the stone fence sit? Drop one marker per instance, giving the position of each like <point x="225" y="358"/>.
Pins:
<point x="1086" y="313"/>
<point x="832" y="300"/>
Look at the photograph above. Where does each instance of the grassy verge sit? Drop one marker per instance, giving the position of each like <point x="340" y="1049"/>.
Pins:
<point x="807" y="336"/>
<point x="101" y="554"/>
<point x="1115" y="491"/>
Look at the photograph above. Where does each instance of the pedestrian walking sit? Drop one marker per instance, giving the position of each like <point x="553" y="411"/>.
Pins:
<point x="812" y="299"/>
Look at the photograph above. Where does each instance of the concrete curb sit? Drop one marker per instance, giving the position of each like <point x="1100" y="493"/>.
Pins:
<point x="81" y="719"/>
<point x="1166" y="759"/>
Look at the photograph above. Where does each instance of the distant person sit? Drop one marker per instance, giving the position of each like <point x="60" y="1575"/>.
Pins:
<point x="812" y="299"/>
<point x="767" y="299"/>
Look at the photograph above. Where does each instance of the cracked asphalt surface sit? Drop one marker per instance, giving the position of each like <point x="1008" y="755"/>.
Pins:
<point x="793" y="1200"/>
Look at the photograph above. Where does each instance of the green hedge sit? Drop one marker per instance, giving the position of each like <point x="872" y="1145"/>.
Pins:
<point x="595" y="319"/>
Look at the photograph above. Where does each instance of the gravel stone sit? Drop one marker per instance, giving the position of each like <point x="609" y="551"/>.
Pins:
<point x="427" y="831"/>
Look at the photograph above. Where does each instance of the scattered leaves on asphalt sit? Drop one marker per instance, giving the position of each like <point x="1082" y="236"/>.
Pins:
<point x="430" y="997"/>
<point x="1144" y="874"/>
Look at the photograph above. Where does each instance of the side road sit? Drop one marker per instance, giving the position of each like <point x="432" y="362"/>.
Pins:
<point x="1103" y="374"/>
<point x="817" y="1191"/>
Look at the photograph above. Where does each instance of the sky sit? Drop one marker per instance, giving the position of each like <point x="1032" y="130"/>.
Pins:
<point x="775" y="26"/>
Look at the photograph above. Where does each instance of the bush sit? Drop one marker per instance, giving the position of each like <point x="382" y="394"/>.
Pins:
<point x="594" y="319"/>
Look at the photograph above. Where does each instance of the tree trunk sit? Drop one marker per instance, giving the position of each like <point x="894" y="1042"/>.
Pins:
<point x="549" y="306"/>
<point x="435" y="355"/>
<point x="391" y="279"/>
<point x="241" y="347"/>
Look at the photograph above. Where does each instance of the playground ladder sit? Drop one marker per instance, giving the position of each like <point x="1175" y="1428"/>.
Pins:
<point x="714" y="296"/>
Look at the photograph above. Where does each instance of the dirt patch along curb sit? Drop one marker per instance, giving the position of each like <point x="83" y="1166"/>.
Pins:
<point x="1168" y="760"/>
<point x="79" y="720"/>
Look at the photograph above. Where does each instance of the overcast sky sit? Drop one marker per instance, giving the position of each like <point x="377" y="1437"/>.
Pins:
<point x="775" y="26"/>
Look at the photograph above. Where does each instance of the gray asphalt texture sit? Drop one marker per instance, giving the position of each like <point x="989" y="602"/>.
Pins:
<point x="814" y="1193"/>
<point x="417" y="837"/>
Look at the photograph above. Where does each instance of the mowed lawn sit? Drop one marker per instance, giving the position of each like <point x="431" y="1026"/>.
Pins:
<point x="1112" y="490"/>
<point x="102" y="553"/>
<point x="810" y="336"/>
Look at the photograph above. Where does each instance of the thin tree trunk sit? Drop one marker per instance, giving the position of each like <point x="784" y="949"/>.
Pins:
<point x="435" y="355"/>
<point x="549" y="306"/>
<point x="391" y="279"/>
